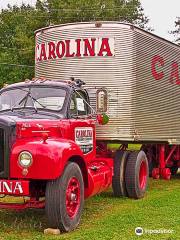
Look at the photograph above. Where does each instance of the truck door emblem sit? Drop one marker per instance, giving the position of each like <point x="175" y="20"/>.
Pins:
<point x="84" y="138"/>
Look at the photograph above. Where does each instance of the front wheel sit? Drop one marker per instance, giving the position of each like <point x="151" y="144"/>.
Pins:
<point x="65" y="199"/>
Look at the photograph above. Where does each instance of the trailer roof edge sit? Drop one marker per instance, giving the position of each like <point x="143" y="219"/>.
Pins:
<point x="109" y="22"/>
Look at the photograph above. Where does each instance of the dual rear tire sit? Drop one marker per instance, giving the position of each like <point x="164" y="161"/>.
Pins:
<point x="130" y="174"/>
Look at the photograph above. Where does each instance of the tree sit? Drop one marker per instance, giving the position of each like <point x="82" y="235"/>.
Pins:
<point x="17" y="41"/>
<point x="176" y="32"/>
<point x="19" y="23"/>
<point x="61" y="11"/>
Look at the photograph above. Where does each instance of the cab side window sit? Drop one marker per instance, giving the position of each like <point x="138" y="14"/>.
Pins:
<point x="73" y="106"/>
<point x="78" y="104"/>
<point x="82" y="100"/>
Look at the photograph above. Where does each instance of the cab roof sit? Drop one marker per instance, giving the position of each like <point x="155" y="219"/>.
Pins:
<point x="43" y="82"/>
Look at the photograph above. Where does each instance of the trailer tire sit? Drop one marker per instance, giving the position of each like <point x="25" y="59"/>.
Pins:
<point x="65" y="199"/>
<point x="136" y="175"/>
<point x="174" y="170"/>
<point x="118" y="180"/>
<point x="150" y="151"/>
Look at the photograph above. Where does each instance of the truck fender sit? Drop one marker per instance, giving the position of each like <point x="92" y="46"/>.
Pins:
<point x="49" y="157"/>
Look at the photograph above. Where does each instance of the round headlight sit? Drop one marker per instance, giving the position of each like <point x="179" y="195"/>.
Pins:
<point x="25" y="159"/>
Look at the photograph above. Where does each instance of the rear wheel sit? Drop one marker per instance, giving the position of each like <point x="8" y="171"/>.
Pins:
<point x="118" y="181"/>
<point x="150" y="151"/>
<point x="174" y="170"/>
<point x="136" y="174"/>
<point x="65" y="198"/>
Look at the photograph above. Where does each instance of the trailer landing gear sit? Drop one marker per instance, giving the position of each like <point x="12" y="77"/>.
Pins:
<point x="163" y="159"/>
<point x="164" y="156"/>
<point x="164" y="173"/>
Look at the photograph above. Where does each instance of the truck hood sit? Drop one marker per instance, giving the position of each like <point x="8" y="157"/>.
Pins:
<point x="31" y="126"/>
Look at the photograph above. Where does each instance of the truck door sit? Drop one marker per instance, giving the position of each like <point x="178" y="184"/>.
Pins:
<point x="82" y="124"/>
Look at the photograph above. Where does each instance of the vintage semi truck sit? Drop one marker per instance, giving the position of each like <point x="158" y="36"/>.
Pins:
<point x="95" y="84"/>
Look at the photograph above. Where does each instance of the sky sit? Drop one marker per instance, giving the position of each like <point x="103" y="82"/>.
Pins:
<point x="162" y="14"/>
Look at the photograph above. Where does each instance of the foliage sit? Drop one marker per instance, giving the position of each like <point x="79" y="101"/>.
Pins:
<point x="19" y="23"/>
<point x="176" y="32"/>
<point x="17" y="42"/>
<point x="86" y="10"/>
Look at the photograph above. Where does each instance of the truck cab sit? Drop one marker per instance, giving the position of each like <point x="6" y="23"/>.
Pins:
<point x="44" y="110"/>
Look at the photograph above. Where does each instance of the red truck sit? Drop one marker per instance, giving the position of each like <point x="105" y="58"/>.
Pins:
<point x="56" y="131"/>
<point x="49" y="149"/>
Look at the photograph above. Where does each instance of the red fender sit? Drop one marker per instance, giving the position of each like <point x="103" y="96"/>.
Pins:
<point x="49" y="157"/>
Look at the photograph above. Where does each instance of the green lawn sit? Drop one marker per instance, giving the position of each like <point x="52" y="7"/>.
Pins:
<point x="106" y="217"/>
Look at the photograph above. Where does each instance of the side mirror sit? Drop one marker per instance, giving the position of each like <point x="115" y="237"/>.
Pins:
<point x="102" y="119"/>
<point x="101" y="100"/>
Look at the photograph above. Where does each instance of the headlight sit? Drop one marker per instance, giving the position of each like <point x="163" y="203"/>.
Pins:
<point x="25" y="159"/>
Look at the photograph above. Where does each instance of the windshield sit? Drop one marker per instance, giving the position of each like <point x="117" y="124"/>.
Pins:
<point x="36" y="97"/>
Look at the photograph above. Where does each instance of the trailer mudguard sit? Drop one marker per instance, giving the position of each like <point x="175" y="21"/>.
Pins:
<point x="49" y="157"/>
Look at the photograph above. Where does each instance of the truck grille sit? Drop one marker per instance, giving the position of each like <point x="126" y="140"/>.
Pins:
<point x="7" y="138"/>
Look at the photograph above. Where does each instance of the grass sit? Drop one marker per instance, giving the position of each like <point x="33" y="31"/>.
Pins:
<point x="106" y="217"/>
<point x="132" y="146"/>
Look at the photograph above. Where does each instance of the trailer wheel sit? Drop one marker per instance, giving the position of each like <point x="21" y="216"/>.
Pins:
<point x="174" y="170"/>
<point x="118" y="181"/>
<point x="150" y="151"/>
<point x="65" y="199"/>
<point x="136" y="175"/>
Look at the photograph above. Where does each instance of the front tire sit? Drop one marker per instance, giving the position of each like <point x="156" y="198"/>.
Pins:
<point x="137" y="174"/>
<point x="65" y="199"/>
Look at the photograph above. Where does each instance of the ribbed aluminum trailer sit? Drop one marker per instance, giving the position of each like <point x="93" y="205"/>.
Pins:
<point x="139" y="71"/>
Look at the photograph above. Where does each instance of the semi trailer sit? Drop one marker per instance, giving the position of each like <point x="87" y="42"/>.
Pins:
<point x="139" y="73"/>
<point x="95" y="84"/>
